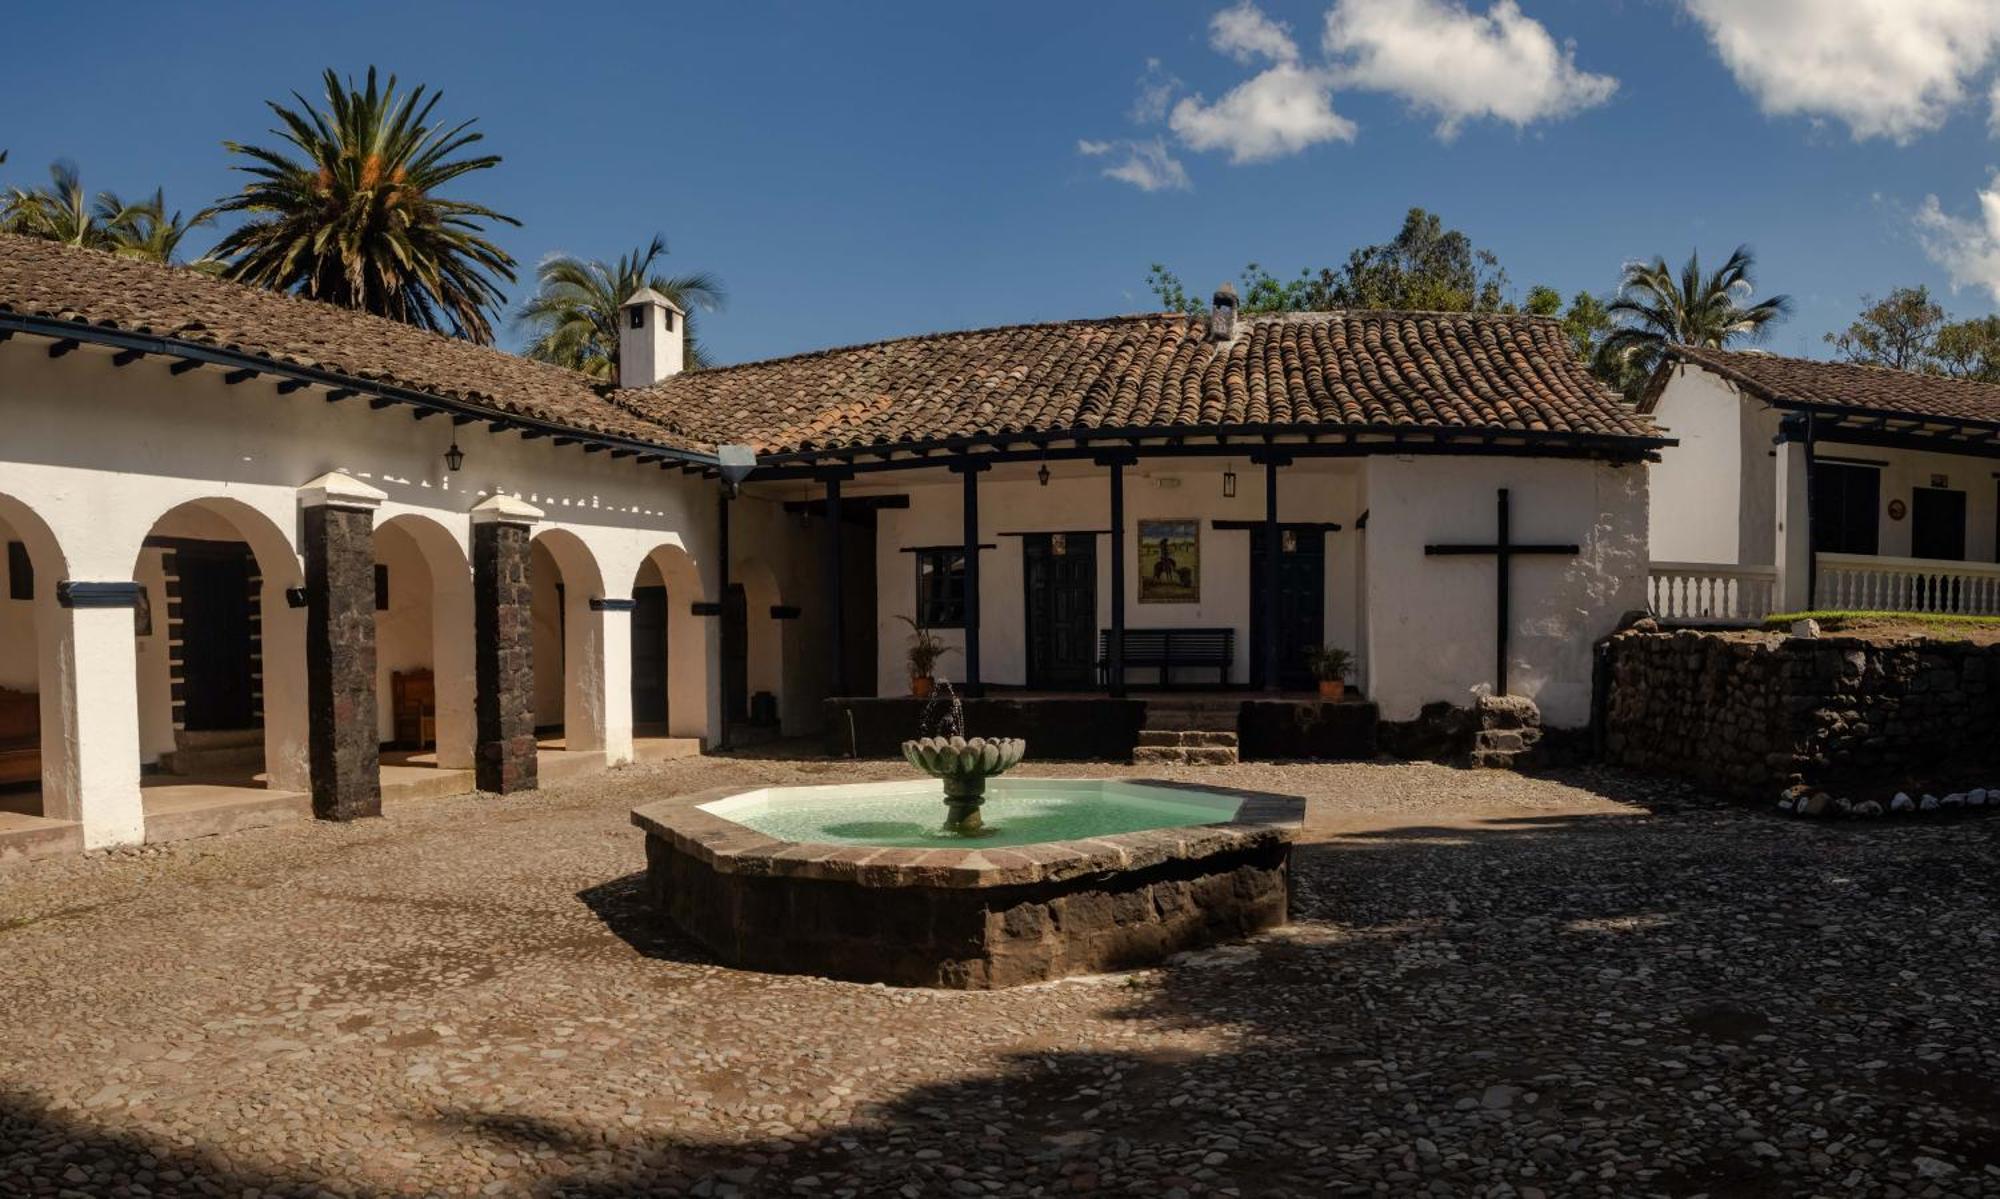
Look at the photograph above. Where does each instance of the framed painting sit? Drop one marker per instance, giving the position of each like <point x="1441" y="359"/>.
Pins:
<point x="1170" y="561"/>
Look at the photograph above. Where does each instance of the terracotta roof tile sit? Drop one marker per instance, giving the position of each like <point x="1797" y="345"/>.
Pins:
<point x="1807" y="382"/>
<point x="1445" y="371"/>
<point x="41" y="278"/>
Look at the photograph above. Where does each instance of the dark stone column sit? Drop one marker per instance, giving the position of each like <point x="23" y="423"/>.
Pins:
<point x="1117" y="655"/>
<point x="503" y="636"/>
<point x="344" y="742"/>
<point x="836" y="607"/>
<point x="971" y="472"/>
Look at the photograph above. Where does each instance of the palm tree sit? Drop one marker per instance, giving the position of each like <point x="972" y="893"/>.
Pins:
<point x="147" y="232"/>
<point x="63" y="211"/>
<point x="573" y="315"/>
<point x="1656" y="309"/>
<point x="356" y="220"/>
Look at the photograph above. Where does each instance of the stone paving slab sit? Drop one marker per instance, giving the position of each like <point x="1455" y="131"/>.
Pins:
<point x="1494" y="985"/>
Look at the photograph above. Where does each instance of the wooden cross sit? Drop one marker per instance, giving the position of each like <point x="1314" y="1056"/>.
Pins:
<point x="1503" y="549"/>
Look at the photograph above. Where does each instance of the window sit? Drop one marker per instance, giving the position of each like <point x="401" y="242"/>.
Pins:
<point x="1846" y="508"/>
<point x="381" y="587"/>
<point x="941" y="588"/>
<point x="20" y="572"/>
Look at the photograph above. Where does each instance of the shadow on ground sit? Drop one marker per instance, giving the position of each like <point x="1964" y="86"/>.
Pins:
<point x="1685" y="1000"/>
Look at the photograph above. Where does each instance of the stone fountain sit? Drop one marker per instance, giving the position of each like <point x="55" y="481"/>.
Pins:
<point x="963" y="765"/>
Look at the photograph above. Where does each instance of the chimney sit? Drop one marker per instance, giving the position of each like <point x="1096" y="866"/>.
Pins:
<point x="652" y="339"/>
<point x="1222" y="314"/>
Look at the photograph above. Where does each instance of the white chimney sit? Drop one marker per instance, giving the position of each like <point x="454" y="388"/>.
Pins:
<point x="652" y="339"/>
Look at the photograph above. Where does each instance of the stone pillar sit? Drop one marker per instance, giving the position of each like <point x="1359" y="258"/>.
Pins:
<point x="90" y="769"/>
<point x="614" y="642"/>
<point x="343" y="741"/>
<point x="1794" y="532"/>
<point x="503" y="638"/>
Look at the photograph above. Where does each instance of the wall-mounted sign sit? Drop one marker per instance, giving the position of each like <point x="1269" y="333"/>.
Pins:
<point x="1940" y="480"/>
<point x="1898" y="509"/>
<point x="1169" y="561"/>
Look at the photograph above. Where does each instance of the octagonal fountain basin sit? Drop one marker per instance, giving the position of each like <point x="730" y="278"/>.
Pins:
<point x="1068" y="876"/>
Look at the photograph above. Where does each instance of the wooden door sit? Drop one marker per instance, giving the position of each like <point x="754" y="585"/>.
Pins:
<point x="1937" y="524"/>
<point x="1061" y="606"/>
<point x="217" y="686"/>
<point x="1301" y="605"/>
<point x="649" y="656"/>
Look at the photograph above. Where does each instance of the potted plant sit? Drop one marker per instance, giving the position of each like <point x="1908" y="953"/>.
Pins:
<point x="1331" y="665"/>
<point x="925" y="650"/>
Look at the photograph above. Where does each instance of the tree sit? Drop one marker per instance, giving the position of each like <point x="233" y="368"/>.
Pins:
<point x="1900" y="331"/>
<point x="64" y="212"/>
<point x="149" y="233"/>
<point x="1656" y="308"/>
<point x="573" y="315"/>
<point x="1970" y="349"/>
<point x="356" y="219"/>
<point x="1910" y="331"/>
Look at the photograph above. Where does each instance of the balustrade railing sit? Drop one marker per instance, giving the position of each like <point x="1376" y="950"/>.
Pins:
<point x="1867" y="583"/>
<point x="1711" y="593"/>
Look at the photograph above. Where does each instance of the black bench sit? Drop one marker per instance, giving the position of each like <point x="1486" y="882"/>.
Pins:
<point x="1167" y="649"/>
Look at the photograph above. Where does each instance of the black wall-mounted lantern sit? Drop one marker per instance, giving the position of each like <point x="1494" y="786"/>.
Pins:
<point x="1229" y="482"/>
<point x="1043" y="474"/>
<point x="454" y="457"/>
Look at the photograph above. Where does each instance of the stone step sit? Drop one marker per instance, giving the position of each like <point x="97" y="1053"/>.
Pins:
<point x="1184" y="755"/>
<point x="217" y="738"/>
<point x="1208" y="737"/>
<point x="1219" y="719"/>
<point x="225" y="760"/>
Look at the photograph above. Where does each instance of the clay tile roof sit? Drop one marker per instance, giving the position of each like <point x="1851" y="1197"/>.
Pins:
<point x="1804" y="382"/>
<point x="1301" y="371"/>
<point x="41" y="278"/>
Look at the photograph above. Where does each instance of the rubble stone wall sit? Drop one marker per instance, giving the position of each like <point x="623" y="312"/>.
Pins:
<point x="1753" y="716"/>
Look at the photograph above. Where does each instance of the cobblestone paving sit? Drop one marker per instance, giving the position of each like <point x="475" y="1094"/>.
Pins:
<point x="1495" y="986"/>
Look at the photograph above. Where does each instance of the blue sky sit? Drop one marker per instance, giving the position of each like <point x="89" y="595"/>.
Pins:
<point x="861" y="171"/>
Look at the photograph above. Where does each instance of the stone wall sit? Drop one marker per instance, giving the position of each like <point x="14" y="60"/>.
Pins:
<point x="1750" y="715"/>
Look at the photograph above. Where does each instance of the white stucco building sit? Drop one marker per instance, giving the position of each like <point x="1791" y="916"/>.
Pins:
<point x="265" y="555"/>
<point x="1799" y="485"/>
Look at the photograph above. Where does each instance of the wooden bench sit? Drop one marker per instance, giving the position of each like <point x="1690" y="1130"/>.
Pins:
<point x="20" y="737"/>
<point x="1166" y="650"/>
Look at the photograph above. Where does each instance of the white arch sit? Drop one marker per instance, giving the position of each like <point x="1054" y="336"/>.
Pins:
<point x="281" y="628"/>
<point x="690" y="685"/>
<point x="48" y="667"/>
<point x="446" y="590"/>
<point x="583" y="715"/>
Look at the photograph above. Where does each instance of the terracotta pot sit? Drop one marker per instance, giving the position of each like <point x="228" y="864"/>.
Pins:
<point x="920" y="686"/>
<point x="1332" y="688"/>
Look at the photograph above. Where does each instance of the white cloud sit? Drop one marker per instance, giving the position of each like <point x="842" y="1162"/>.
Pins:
<point x="1967" y="248"/>
<point x="1887" y="68"/>
<point x="1156" y="91"/>
<point x="1993" y="109"/>
<point x="1279" y="111"/>
<point x="1245" y="34"/>
<point x="1445" y="59"/>
<point x="1146" y="165"/>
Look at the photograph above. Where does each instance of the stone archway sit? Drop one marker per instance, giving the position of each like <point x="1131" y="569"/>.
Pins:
<point x="424" y="660"/>
<point x="568" y="631"/>
<point x="221" y="662"/>
<point x="670" y="668"/>
<point x="36" y="716"/>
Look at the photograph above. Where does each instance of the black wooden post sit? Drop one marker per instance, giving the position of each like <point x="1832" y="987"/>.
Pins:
<point x="836" y="680"/>
<point x="1116" y="658"/>
<point x="971" y="471"/>
<point x="722" y="611"/>
<point x="1270" y="646"/>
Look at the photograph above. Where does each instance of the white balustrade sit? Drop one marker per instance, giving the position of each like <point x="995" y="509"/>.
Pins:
<point x="1867" y="583"/>
<point x="1710" y="593"/>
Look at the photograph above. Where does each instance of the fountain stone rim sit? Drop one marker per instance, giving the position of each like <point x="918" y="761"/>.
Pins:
<point x="1262" y="818"/>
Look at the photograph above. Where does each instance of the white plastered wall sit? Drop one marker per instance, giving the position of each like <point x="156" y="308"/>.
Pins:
<point x="1432" y="621"/>
<point x="98" y="454"/>
<point x="1077" y="499"/>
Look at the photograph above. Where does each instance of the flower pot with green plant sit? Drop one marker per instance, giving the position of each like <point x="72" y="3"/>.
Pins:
<point x="924" y="652"/>
<point x="1331" y="665"/>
